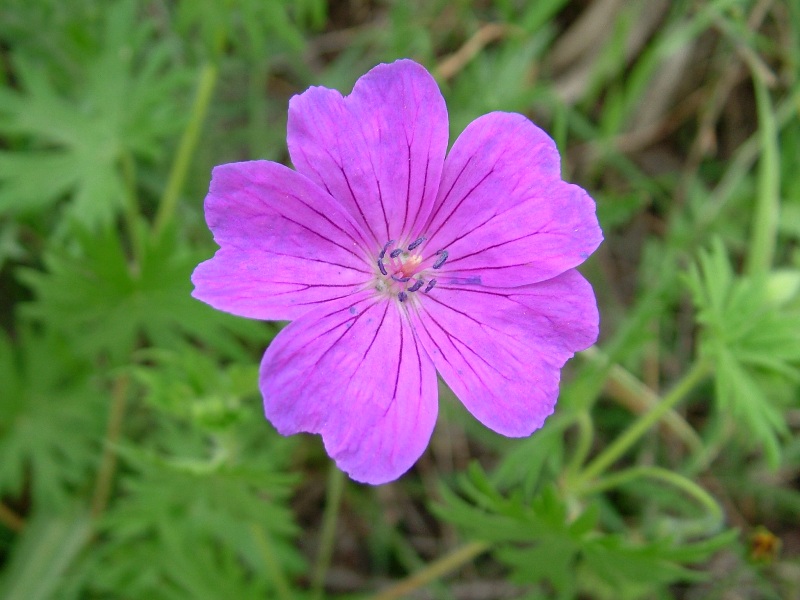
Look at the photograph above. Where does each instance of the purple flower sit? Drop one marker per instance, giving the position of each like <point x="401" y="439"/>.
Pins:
<point x="394" y="262"/>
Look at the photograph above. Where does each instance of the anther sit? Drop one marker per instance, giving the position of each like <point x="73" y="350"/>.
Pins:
<point x="402" y="296"/>
<point x="382" y="268"/>
<point x="442" y="254"/>
<point x="430" y="286"/>
<point x="385" y="248"/>
<point x="418" y="284"/>
<point x="396" y="252"/>
<point x="416" y="242"/>
<point x="401" y="279"/>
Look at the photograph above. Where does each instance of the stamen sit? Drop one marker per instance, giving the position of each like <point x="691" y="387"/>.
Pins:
<point x="401" y="279"/>
<point x="430" y="286"/>
<point x="416" y="242"/>
<point x="385" y="248"/>
<point x="396" y="252"/>
<point x="418" y="284"/>
<point x="402" y="296"/>
<point x="382" y="268"/>
<point x="442" y="254"/>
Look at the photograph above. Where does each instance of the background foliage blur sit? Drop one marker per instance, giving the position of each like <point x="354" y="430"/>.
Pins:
<point x="134" y="458"/>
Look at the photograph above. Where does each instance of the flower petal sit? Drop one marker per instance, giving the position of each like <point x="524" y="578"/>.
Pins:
<point x="503" y="213"/>
<point x="285" y="245"/>
<point x="378" y="151"/>
<point x="354" y="372"/>
<point x="501" y="350"/>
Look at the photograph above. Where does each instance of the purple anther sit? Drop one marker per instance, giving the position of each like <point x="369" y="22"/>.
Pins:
<point x="401" y="279"/>
<point x="416" y="242"/>
<point x="402" y="296"/>
<point x="442" y="254"/>
<point x="417" y="284"/>
<point x="430" y="286"/>
<point x="382" y="268"/>
<point x="396" y="252"/>
<point x="385" y="248"/>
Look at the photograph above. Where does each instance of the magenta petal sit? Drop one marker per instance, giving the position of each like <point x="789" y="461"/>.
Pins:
<point x="501" y="350"/>
<point x="378" y="151"/>
<point x="353" y="371"/>
<point x="503" y="213"/>
<point x="285" y="245"/>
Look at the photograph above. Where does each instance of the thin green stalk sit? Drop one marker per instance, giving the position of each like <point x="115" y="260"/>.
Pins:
<point x="108" y="463"/>
<point x="333" y="500"/>
<point x="132" y="214"/>
<point x="434" y="570"/>
<point x="657" y="473"/>
<point x="188" y="143"/>
<point x="584" y="444"/>
<point x="639" y="427"/>
<point x="271" y="561"/>
<point x="765" y="223"/>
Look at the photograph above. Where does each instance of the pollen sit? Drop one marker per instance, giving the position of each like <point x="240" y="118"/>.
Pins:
<point x="410" y="265"/>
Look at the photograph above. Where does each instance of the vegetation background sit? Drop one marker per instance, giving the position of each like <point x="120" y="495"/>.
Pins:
<point x="134" y="458"/>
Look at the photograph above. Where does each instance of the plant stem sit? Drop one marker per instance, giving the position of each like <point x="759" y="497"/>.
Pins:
<point x="665" y="475"/>
<point x="434" y="570"/>
<point x="333" y="500"/>
<point x="132" y="209"/>
<point x="584" y="443"/>
<point x="188" y="143"/>
<point x="271" y="561"/>
<point x="765" y="222"/>
<point x="639" y="427"/>
<point x="108" y="464"/>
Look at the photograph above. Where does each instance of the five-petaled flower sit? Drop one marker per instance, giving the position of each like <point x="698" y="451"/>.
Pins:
<point x="395" y="259"/>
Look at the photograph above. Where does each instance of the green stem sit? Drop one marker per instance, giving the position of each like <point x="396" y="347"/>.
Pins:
<point x="108" y="463"/>
<point x="765" y="223"/>
<point x="336" y="479"/>
<point x="674" y="479"/>
<point x="639" y="427"/>
<point x="132" y="208"/>
<point x="188" y="143"/>
<point x="271" y="561"/>
<point x="584" y="444"/>
<point x="434" y="570"/>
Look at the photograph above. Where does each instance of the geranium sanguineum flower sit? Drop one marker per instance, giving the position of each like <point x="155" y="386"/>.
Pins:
<point x="395" y="259"/>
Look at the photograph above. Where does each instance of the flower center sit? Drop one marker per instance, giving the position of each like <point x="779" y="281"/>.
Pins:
<point x="403" y="271"/>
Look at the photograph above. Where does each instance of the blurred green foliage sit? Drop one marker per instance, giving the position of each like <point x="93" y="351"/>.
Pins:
<point x="134" y="458"/>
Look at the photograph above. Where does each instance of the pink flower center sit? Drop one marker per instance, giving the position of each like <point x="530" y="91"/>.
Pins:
<point x="403" y="271"/>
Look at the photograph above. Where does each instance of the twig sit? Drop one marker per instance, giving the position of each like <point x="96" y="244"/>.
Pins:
<point x="456" y="61"/>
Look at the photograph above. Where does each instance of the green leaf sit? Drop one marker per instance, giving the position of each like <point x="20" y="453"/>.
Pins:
<point x="547" y="541"/>
<point x="105" y="305"/>
<point x="52" y="419"/>
<point x="70" y="143"/>
<point x="49" y="546"/>
<point x="184" y="520"/>
<point x="750" y="332"/>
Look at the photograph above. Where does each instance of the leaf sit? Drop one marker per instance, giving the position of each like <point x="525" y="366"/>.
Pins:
<point x="749" y="331"/>
<point x="544" y="541"/>
<point x="52" y="419"/>
<point x="185" y="525"/>
<point x="105" y="305"/>
<point x="49" y="546"/>
<point x="70" y="143"/>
